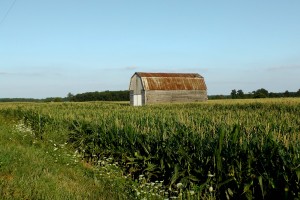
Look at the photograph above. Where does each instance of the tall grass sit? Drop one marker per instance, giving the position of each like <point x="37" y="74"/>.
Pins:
<point x="31" y="168"/>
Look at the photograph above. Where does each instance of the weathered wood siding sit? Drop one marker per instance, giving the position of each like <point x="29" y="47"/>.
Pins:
<point x="136" y="85"/>
<point x="163" y="96"/>
<point x="136" y="88"/>
<point x="144" y="97"/>
<point x="131" y="97"/>
<point x="152" y="88"/>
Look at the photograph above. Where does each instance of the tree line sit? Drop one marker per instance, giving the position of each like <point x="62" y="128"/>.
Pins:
<point x="260" y="93"/>
<point x="87" y="96"/>
<point x="100" y="96"/>
<point x="124" y="96"/>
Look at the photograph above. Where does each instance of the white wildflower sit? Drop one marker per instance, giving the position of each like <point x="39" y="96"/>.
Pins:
<point x="141" y="177"/>
<point x="179" y="185"/>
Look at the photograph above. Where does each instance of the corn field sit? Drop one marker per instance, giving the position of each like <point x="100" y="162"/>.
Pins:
<point x="248" y="149"/>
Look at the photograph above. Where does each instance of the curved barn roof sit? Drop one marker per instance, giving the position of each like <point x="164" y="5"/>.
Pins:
<point x="172" y="81"/>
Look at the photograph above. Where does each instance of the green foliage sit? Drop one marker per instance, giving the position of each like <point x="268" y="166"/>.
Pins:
<point x="260" y="93"/>
<point x="237" y="94"/>
<point x="31" y="168"/>
<point x="233" y="94"/>
<point x="100" y="96"/>
<point x="222" y="149"/>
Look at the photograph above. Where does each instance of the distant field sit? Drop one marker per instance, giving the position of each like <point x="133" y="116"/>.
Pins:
<point x="216" y="149"/>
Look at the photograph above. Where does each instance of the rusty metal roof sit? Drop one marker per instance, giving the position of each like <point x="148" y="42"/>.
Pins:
<point x="172" y="81"/>
<point x="191" y="75"/>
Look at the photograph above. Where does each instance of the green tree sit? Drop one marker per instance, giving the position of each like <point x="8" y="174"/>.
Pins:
<point x="240" y="94"/>
<point x="57" y="99"/>
<point x="233" y="94"/>
<point x="286" y="93"/>
<point x="298" y="93"/>
<point x="261" y="93"/>
<point x="70" y="96"/>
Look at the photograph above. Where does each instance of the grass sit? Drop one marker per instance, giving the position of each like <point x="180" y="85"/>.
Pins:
<point x="31" y="169"/>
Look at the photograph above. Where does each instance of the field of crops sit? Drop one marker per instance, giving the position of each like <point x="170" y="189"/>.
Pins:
<point x="242" y="149"/>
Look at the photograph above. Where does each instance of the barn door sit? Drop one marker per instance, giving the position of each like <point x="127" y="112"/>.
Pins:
<point x="137" y="100"/>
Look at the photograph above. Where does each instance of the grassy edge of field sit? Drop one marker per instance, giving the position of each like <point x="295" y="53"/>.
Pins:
<point x="34" y="169"/>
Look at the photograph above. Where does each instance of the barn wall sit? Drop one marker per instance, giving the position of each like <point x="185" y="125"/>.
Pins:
<point x="163" y="96"/>
<point x="144" y="93"/>
<point x="131" y="97"/>
<point x="136" y="88"/>
<point x="136" y="84"/>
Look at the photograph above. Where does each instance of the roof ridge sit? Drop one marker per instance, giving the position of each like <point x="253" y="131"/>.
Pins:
<point x="166" y="74"/>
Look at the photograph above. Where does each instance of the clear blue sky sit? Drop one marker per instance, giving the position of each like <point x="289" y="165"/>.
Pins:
<point x="49" y="48"/>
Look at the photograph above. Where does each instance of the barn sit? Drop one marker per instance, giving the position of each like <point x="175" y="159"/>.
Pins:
<point x="150" y="88"/>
